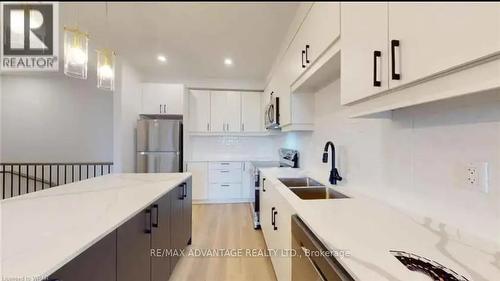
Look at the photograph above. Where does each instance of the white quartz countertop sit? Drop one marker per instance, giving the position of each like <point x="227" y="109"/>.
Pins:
<point x="44" y="230"/>
<point x="369" y="229"/>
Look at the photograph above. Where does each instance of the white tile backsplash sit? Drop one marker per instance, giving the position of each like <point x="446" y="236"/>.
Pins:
<point x="213" y="148"/>
<point x="414" y="158"/>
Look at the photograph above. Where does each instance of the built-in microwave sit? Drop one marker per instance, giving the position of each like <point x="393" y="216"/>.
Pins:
<point x="272" y="114"/>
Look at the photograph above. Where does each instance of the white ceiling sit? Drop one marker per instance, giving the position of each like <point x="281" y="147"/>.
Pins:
<point x="195" y="37"/>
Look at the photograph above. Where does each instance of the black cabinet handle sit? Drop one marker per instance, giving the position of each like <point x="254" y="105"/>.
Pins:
<point x="307" y="54"/>
<point x="376" y="55"/>
<point x="181" y="196"/>
<point x="303" y="54"/>
<point x="161" y="107"/>
<point x="272" y="215"/>
<point x="394" y="44"/>
<point x="263" y="185"/>
<point x="185" y="190"/>
<point x="156" y="223"/>
<point x="148" y="222"/>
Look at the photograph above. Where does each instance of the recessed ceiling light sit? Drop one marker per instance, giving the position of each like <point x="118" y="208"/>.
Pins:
<point x="228" y="61"/>
<point x="161" y="58"/>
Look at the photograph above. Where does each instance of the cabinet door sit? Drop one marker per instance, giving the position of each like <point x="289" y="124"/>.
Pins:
<point x="160" y="238"/>
<point x="321" y="28"/>
<point x="364" y="31"/>
<point x="283" y="230"/>
<point x="251" y="114"/>
<point x="233" y="112"/>
<point x="160" y="98"/>
<point x="199" y="170"/>
<point x="218" y="111"/>
<point x="133" y="244"/>
<point x="98" y="263"/>
<point x="176" y="223"/>
<point x="199" y="111"/>
<point x="434" y="37"/>
<point x="247" y="181"/>
<point x="187" y="212"/>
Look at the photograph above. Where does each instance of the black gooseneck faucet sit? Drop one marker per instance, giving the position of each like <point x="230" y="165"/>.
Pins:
<point x="334" y="173"/>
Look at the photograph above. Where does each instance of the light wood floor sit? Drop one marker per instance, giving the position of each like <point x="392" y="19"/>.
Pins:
<point x="226" y="226"/>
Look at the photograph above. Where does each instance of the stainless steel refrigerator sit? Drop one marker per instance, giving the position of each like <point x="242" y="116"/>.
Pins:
<point x="159" y="145"/>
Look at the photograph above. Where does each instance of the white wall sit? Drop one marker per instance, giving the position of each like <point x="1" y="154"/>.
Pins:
<point x="127" y="103"/>
<point x="414" y="158"/>
<point x="51" y="117"/>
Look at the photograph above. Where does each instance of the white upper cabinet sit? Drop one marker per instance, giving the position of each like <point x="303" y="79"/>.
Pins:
<point x="416" y="41"/>
<point x="364" y="56"/>
<point x="199" y="111"/>
<point x="435" y="37"/>
<point x="251" y="114"/>
<point x="320" y="28"/>
<point x="160" y="98"/>
<point x="225" y="111"/>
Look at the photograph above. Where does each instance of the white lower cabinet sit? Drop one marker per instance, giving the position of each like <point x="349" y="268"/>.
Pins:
<point x="219" y="191"/>
<point x="275" y="218"/>
<point x="216" y="182"/>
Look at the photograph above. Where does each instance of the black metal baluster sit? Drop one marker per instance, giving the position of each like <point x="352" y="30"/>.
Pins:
<point x="43" y="177"/>
<point x="27" y="177"/>
<point x="11" y="180"/>
<point x="72" y="173"/>
<point x="3" y="181"/>
<point x="58" y="168"/>
<point x="94" y="170"/>
<point x="50" y="176"/>
<point x="101" y="169"/>
<point x="109" y="168"/>
<point x="65" y="174"/>
<point x="87" y="175"/>
<point x="79" y="172"/>
<point x="34" y="181"/>
<point x="19" y="179"/>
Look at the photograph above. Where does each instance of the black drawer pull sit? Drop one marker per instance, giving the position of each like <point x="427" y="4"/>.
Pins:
<point x="394" y="75"/>
<point x="307" y="54"/>
<point x="303" y="54"/>
<point x="376" y="55"/>
<point x="263" y="185"/>
<point x="156" y="223"/>
<point x="274" y="220"/>
<point x="272" y="215"/>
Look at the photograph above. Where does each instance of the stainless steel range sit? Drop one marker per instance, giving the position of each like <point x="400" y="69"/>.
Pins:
<point x="288" y="158"/>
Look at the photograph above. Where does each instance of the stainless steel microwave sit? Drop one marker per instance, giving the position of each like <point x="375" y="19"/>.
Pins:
<point x="272" y="114"/>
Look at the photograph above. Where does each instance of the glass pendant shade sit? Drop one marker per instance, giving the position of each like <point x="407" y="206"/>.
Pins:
<point x="75" y="53"/>
<point x="106" y="69"/>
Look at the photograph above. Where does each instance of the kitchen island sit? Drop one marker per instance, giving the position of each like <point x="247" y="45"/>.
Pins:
<point x="43" y="231"/>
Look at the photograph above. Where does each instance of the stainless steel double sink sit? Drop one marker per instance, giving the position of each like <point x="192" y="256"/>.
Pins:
<point x="307" y="188"/>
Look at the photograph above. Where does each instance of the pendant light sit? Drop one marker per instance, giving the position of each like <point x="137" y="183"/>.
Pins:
<point x="106" y="69"/>
<point x="106" y="64"/>
<point x="75" y="51"/>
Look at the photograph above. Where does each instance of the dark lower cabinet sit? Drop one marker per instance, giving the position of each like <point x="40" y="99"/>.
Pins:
<point x="161" y="238"/>
<point x="133" y="247"/>
<point x="97" y="263"/>
<point x="187" y="212"/>
<point x="139" y="248"/>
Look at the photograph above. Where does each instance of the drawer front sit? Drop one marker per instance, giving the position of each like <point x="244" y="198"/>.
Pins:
<point x="225" y="176"/>
<point x="225" y="190"/>
<point x="224" y="165"/>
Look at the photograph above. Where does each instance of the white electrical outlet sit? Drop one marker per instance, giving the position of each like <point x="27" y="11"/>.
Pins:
<point x="477" y="176"/>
